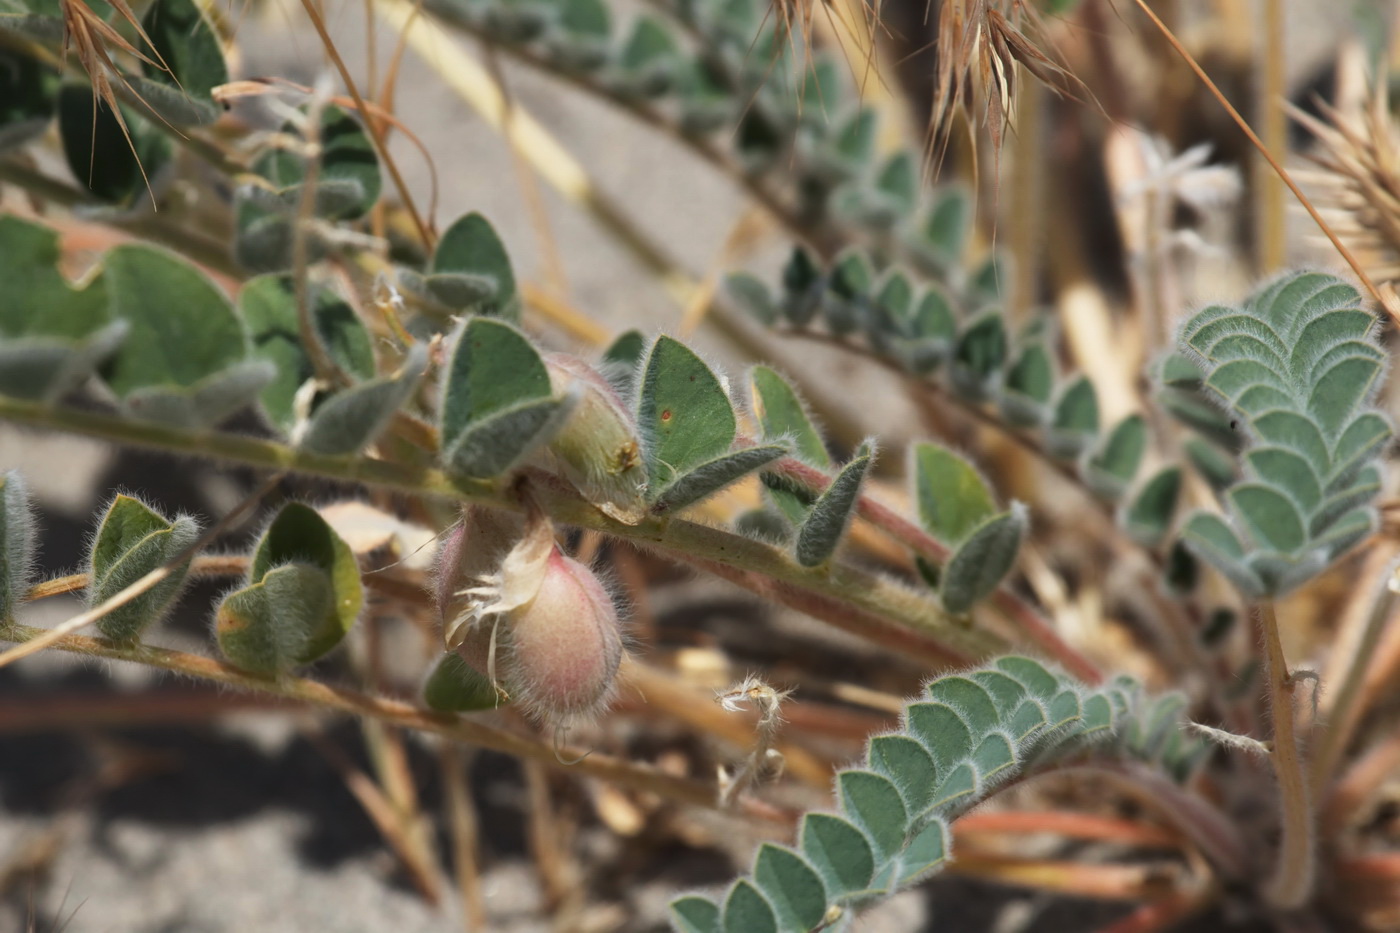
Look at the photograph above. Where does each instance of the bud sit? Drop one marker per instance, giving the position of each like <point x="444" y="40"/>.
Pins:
<point x="599" y="448"/>
<point x="535" y="621"/>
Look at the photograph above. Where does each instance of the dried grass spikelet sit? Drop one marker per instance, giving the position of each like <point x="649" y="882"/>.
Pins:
<point x="980" y="47"/>
<point x="92" y="38"/>
<point x="1358" y="178"/>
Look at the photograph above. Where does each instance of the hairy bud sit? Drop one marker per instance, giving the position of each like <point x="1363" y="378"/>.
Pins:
<point x="535" y="621"/>
<point x="599" y="449"/>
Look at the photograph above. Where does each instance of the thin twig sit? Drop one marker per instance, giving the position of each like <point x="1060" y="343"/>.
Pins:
<point x="376" y="131"/>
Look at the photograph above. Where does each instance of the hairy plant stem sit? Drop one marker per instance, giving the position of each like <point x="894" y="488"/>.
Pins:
<point x="880" y="609"/>
<point x="1292" y="881"/>
<point x="394" y="712"/>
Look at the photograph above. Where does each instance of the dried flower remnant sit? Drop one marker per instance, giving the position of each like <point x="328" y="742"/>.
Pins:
<point x="765" y="762"/>
<point x="599" y="448"/>
<point x="536" y="622"/>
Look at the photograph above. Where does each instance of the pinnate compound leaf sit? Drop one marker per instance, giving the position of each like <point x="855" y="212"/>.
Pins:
<point x="896" y="806"/>
<point x="16" y="543"/>
<point x="980" y="562"/>
<point x="132" y="541"/>
<point x="782" y="415"/>
<point x="830" y="515"/>
<point x="709" y="478"/>
<point x="953" y="497"/>
<point x="684" y="411"/>
<point x="454" y="686"/>
<point x="1297" y="366"/>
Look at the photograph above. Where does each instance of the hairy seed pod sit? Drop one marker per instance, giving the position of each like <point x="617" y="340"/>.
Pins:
<point x="535" y="621"/>
<point x="599" y="449"/>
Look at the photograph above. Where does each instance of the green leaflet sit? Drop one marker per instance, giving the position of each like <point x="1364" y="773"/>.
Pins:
<point x="979" y="356"/>
<point x="132" y="541"/>
<point x="97" y="149"/>
<point x="782" y="414"/>
<point x="471" y="247"/>
<point x="352" y="419"/>
<point x="746" y="910"/>
<point x="953" y="497"/>
<point x="159" y="296"/>
<point x="1074" y="422"/>
<point x="710" y="477"/>
<point x="980" y="562"/>
<point x="683" y="411"/>
<point x="1114" y="465"/>
<point x="1148" y="515"/>
<point x="831" y="514"/>
<point x="493" y="367"/>
<point x="753" y="296"/>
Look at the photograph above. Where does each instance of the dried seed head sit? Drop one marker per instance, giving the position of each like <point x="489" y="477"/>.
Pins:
<point x="599" y="449"/>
